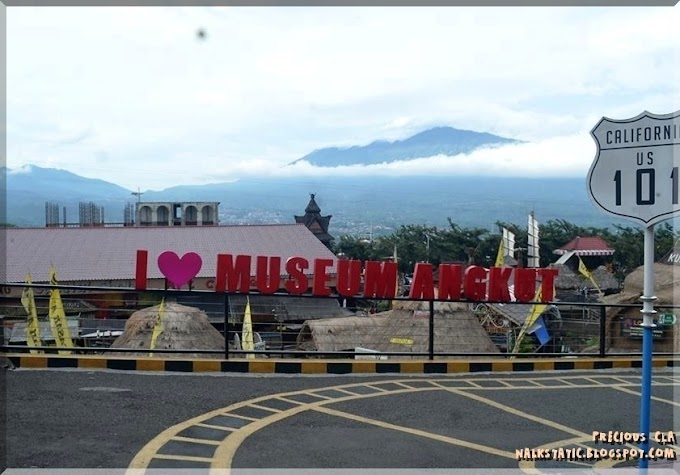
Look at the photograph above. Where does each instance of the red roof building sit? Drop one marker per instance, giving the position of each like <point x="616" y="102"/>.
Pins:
<point x="107" y="255"/>
<point x="586" y="246"/>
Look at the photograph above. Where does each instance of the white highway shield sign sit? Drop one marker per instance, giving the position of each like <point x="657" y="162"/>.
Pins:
<point x="636" y="172"/>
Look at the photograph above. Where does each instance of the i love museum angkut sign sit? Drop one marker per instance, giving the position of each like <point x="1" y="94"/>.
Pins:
<point x="354" y="278"/>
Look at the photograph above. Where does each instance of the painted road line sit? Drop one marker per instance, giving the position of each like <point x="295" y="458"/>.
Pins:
<point x="238" y="416"/>
<point x="637" y="393"/>
<point x="418" y="432"/>
<point x="194" y="440"/>
<point x="183" y="458"/>
<point x="234" y="436"/>
<point x="264" y="408"/>
<point x="517" y="412"/>
<point x="211" y="426"/>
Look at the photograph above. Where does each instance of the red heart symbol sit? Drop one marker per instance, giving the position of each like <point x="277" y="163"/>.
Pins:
<point x="179" y="271"/>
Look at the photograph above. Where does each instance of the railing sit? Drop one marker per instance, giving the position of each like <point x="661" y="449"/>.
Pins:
<point x="299" y="327"/>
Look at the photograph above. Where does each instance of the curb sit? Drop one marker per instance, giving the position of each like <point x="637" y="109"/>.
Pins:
<point x="344" y="366"/>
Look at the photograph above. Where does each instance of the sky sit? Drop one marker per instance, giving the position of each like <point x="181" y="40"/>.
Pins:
<point x="134" y="96"/>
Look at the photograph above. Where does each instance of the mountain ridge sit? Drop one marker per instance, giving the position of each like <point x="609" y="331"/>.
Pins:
<point x="442" y="140"/>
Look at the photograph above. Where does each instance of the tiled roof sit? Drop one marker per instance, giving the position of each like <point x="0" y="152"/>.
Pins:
<point x="586" y="246"/>
<point x="110" y="253"/>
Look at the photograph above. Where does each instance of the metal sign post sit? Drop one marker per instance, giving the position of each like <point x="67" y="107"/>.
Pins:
<point x="636" y="175"/>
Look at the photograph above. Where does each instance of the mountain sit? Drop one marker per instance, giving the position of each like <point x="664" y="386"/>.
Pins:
<point x="358" y="204"/>
<point x="28" y="188"/>
<point x="437" y="141"/>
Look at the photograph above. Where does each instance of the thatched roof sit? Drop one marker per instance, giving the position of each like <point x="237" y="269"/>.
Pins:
<point x="666" y="286"/>
<point x="569" y="279"/>
<point x="402" y="329"/>
<point x="185" y="328"/>
<point x="666" y="290"/>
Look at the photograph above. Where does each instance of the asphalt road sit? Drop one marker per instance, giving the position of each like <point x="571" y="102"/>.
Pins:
<point x="113" y="419"/>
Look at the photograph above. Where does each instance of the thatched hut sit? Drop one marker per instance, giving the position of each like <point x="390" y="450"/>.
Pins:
<point x="402" y="329"/>
<point x="184" y="328"/>
<point x="572" y="286"/>
<point x="622" y="334"/>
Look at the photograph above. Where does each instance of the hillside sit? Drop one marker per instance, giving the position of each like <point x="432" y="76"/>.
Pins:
<point x="357" y="204"/>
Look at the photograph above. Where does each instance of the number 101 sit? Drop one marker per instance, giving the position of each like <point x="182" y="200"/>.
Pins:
<point x="648" y="176"/>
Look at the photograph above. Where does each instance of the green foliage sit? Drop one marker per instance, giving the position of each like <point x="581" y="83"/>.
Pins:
<point x="421" y="243"/>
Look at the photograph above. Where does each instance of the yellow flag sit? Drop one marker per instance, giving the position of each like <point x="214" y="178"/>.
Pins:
<point x="500" y="257"/>
<point x="158" y="326"/>
<point x="587" y="274"/>
<point x="247" y="341"/>
<point x="58" y="323"/>
<point x="33" y="326"/>
<point x="536" y="311"/>
<point x="583" y="269"/>
<point x="396" y="286"/>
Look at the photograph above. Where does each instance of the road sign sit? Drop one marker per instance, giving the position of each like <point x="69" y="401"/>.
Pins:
<point x="636" y="172"/>
<point x="668" y="319"/>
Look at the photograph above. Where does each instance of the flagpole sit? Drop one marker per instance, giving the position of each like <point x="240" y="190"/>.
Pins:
<point x="648" y="325"/>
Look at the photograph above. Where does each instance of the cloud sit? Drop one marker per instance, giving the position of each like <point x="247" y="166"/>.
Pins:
<point x="558" y="157"/>
<point x="269" y="85"/>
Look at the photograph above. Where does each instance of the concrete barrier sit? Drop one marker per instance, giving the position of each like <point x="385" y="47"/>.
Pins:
<point x="334" y="366"/>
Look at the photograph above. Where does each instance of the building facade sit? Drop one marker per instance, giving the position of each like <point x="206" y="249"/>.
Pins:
<point x="158" y="213"/>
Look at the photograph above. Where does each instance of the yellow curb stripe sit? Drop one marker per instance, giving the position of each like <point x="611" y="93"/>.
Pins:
<point x="207" y="366"/>
<point x="98" y="363"/>
<point x="314" y="367"/>
<point x="356" y="367"/>
<point x="150" y="365"/>
<point x="33" y="361"/>
<point x="363" y="367"/>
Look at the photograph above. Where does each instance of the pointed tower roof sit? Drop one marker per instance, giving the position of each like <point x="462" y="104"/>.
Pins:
<point x="316" y="223"/>
<point x="312" y="207"/>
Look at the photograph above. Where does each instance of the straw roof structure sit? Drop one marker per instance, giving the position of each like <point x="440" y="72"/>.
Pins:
<point x="666" y="286"/>
<point x="185" y="328"/>
<point x="570" y="280"/>
<point x="666" y="290"/>
<point x="402" y="329"/>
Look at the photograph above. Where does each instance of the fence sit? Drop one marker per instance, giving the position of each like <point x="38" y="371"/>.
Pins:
<point x="209" y="324"/>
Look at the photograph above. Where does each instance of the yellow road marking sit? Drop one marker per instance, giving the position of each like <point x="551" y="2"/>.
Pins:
<point x="225" y="452"/>
<point x="183" y="458"/>
<point x="383" y="390"/>
<point x="245" y="418"/>
<point x="516" y="412"/>
<point x="212" y="426"/>
<point x="350" y="393"/>
<point x="195" y="441"/>
<point x="637" y="393"/>
<point x="320" y="396"/>
<point x="421" y="433"/>
<point x="291" y="401"/>
<point x="264" y="408"/>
